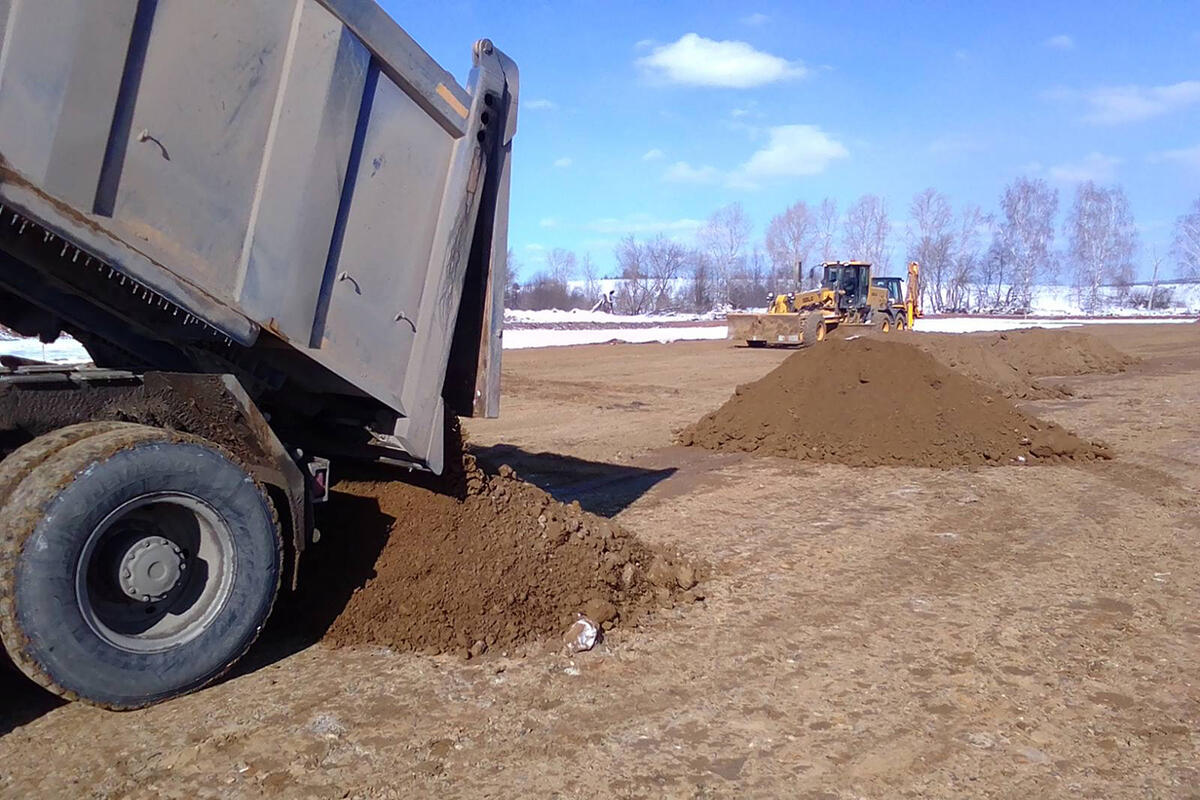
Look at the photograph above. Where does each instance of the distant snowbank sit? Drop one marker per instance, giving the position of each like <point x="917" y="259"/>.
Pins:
<point x="63" y="350"/>
<point x="554" y="316"/>
<point x="975" y="324"/>
<point x="523" y="339"/>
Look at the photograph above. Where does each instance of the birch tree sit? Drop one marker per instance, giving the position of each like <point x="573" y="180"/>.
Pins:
<point x="828" y="225"/>
<point x="724" y="238"/>
<point x="1186" y="247"/>
<point x="1026" y="237"/>
<point x="1103" y="240"/>
<point x="865" y="232"/>
<point x="791" y="237"/>
<point x="931" y="244"/>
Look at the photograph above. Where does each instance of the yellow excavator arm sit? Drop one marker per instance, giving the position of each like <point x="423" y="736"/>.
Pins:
<point x="912" y="297"/>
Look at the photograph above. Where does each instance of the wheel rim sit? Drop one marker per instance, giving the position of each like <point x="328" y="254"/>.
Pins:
<point x="155" y="572"/>
<point x="821" y="332"/>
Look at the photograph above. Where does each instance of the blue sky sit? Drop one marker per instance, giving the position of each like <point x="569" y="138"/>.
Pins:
<point x="646" y="117"/>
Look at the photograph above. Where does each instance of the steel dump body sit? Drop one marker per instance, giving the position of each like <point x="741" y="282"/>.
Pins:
<point x="289" y="191"/>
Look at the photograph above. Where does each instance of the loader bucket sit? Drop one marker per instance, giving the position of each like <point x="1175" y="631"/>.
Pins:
<point x="764" y="329"/>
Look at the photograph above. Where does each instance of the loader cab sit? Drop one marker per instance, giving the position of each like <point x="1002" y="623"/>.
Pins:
<point x="851" y="278"/>
<point x="894" y="287"/>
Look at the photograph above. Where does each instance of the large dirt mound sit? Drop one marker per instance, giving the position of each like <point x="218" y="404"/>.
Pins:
<point x="869" y="402"/>
<point x="474" y="562"/>
<point x="1017" y="362"/>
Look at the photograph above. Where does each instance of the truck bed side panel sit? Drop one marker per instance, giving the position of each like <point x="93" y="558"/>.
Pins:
<point x="295" y="166"/>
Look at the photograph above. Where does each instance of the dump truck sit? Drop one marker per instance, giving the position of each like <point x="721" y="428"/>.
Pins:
<point x="848" y="296"/>
<point x="279" y="229"/>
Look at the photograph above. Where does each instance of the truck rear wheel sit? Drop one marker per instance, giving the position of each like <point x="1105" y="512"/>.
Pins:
<point x="135" y="564"/>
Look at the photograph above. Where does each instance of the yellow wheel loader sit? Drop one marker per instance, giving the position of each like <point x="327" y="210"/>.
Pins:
<point x="848" y="295"/>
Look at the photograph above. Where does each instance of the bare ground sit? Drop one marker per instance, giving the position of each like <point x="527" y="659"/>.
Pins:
<point x="868" y="632"/>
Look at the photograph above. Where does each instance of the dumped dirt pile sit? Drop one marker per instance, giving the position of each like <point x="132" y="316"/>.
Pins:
<point x="870" y="402"/>
<point x="1014" y="361"/>
<point x="475" y="562"/>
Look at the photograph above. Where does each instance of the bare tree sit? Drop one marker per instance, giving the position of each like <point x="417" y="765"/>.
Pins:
<point x="1187" y="242"/>
<point x="1157" y="259"/>
<point x="865" y="232"/>
<point x="666" y="260"/>
<point x="1103" y="239"/>
<point x="972" y="230"/>
<point x="790" y="238"/>
<point x="827" y="230"/>
<point x="701" y="291"/>
<point x="751" y="283"/>
<point x="724" y="238"/>
<point x="931" y="243"/>
<point x="591" y="280"/>
<point x="649" y="270"/>
<point x="512" y="284"/>
<point x="560" y="265"/>
<point x="1026" y="235"/>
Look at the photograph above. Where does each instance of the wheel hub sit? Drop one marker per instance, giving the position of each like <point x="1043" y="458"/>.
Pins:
<point x="151" y="568"/>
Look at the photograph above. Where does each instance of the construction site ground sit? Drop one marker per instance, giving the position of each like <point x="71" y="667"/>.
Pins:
<point x="865" y="632"/>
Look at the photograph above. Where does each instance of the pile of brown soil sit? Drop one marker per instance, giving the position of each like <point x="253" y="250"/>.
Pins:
<point x="474" y="562"/>
<point x="1014" y="361"/>
<point x="870" y="402"/>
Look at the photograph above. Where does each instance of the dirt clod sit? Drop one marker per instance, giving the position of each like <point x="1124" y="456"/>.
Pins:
<point x="871" y="402"/>
<point x="474" y="562"/>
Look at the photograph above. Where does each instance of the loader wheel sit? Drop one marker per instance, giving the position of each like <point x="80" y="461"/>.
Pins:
<point x="814" y="330"/>
<point x="899" y="322"/>
<point x="883" y="324"/>
<point x="135" y="565"/>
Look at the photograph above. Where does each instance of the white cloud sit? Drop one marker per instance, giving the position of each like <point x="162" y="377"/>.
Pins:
<point x="683" y="172"/>
<point x="540" y="104"/>
<point x="1187" y="156"/>
<point x="755" y="19"/>
<point x="548" y="222"/>
<point x="1092" y="167"/>
<point x="1060" y="42"/>
<point x="961" y="55"/>
<point x="1113" y="105"/>
<point x="563" y="162"/>
<point x="697" y="61"/>
<point x="642" y="223"/>
<point x="791" y="151"/>
<point x="653" y="154"/>
<point x="794" y="151"/>
<point x="535" y="247"/>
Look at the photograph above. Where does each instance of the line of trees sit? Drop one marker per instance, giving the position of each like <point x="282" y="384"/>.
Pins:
<point x="970" y="259"/>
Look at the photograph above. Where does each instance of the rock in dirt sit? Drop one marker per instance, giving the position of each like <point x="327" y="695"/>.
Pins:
<point x="872" y="402"/>
<point x="581" y="636"/>
<point x="469" y="563"/>
<point x="1018" y="363"/>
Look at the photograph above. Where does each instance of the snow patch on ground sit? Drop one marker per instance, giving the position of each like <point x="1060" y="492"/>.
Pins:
<point x="549" y="337"/>
<point x="973" y="324"/>
<point x="553" y="316"/>
<point x="63" y="350"/>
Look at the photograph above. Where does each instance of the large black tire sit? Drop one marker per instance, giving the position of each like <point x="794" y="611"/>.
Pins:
<point x="814" y="330"/>
<point x="122" y="510"/>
